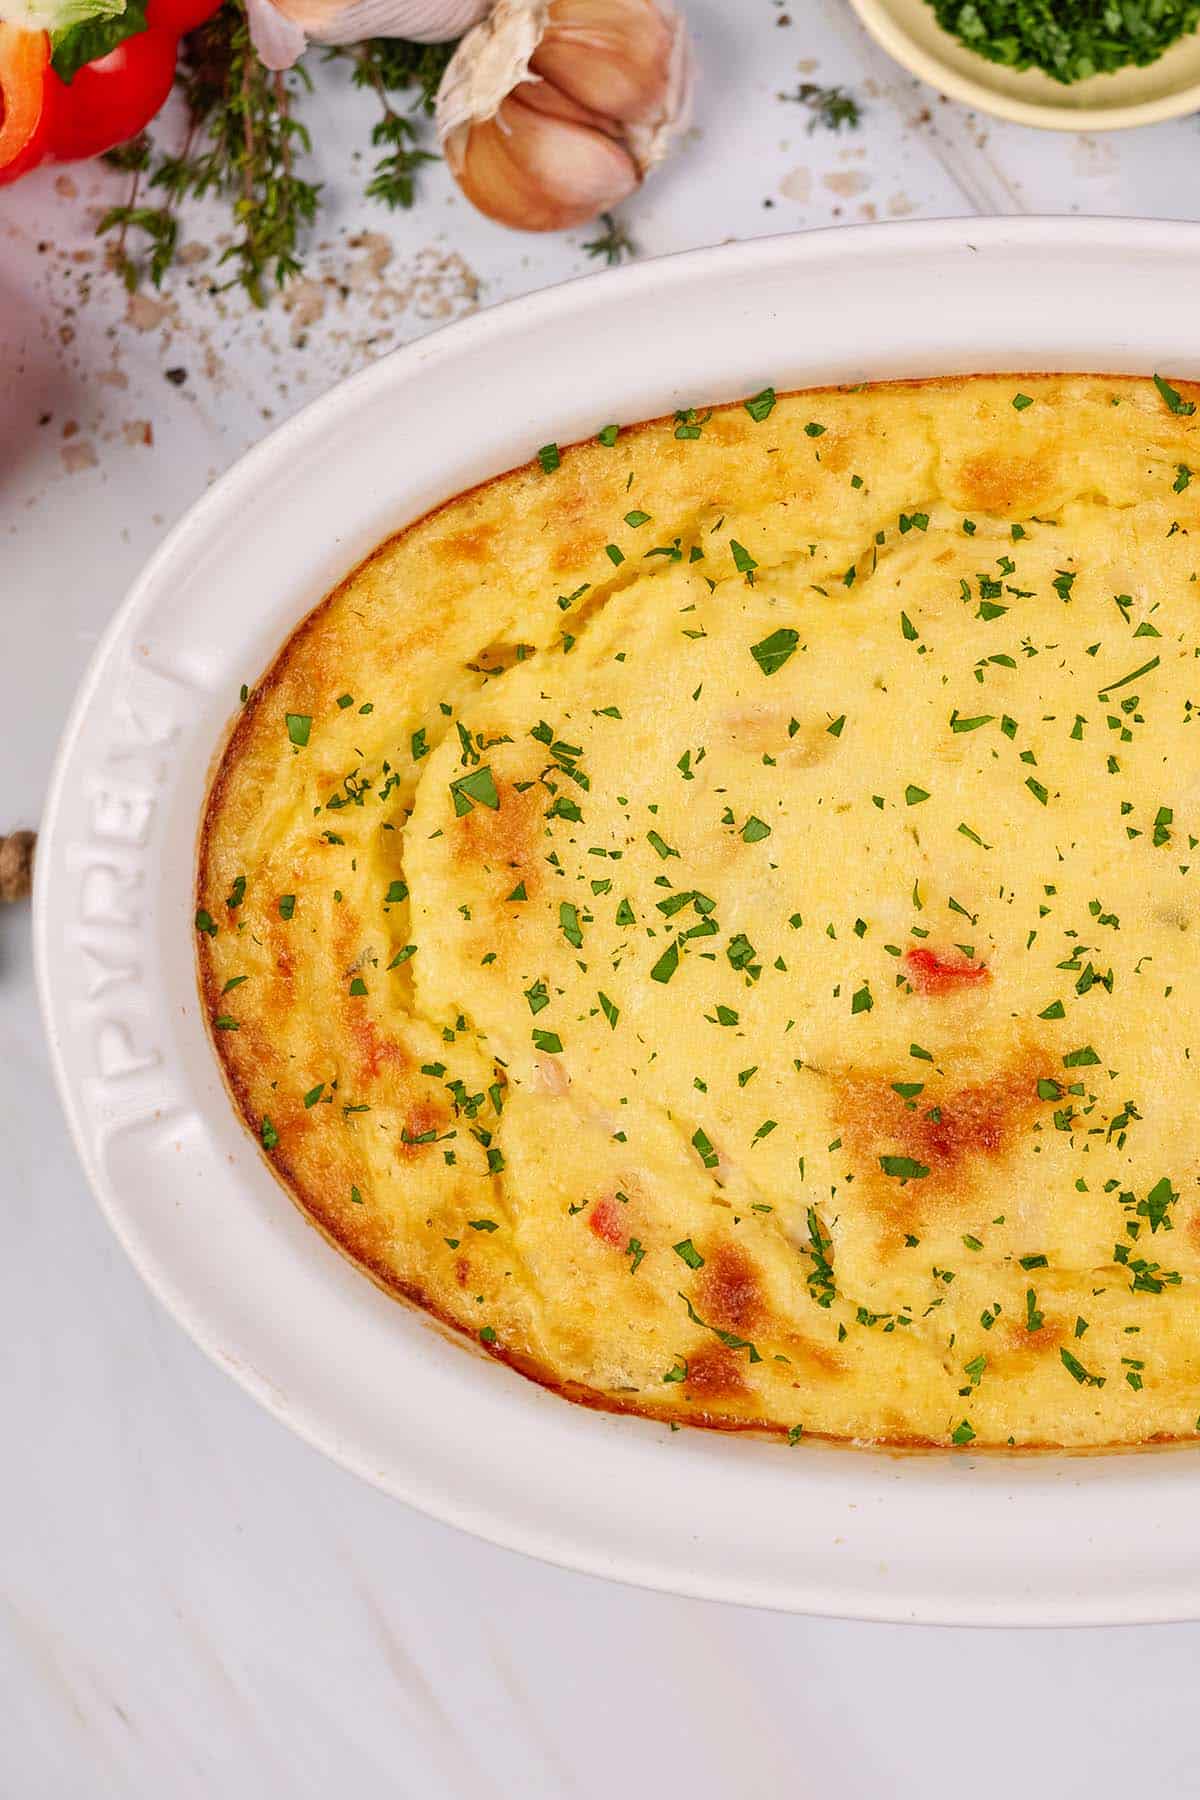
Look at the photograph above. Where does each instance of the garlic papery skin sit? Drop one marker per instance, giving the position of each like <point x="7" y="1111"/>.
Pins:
<point x="554" y="110"/>
<point x="280" y="40"/>
<point x="425" y="21"/>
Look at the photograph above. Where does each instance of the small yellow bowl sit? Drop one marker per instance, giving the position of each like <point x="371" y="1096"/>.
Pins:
<point x="908" y="30"/>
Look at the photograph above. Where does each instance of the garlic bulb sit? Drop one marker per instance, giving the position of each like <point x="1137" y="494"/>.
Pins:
<point x="552" y="111"/>
<point x="280" y="29"/>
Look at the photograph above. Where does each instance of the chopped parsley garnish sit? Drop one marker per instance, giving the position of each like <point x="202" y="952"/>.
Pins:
<point x="477" y="788"/>
<point x="821" y="1283"/>
<point x="903" y="1168"/>
<point x="1125" y="680"/>
<point x="299" y="726"/>
<point x="725" y="1337"/>
<point x="743" y="562"/>
<point x="762" y="405"/>
<point x="1154" y="1207"/>
<point x="1173" y="399"/>
<point x="702" y="1144"/>
<point x="666" y="965"/>
<point x="1076" y="1370"/>
<point x="1070" y="40"/>
<point x="772" y="652"/>
<point x="741" y="952"/>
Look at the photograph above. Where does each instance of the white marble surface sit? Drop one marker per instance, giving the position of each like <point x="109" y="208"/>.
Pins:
<point x="192" y="1603"/>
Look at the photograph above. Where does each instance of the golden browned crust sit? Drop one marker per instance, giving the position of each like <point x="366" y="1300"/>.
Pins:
<point x="897" y="1225"/>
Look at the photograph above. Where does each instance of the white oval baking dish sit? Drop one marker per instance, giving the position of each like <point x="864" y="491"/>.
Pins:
<point x="948" y="1537"/>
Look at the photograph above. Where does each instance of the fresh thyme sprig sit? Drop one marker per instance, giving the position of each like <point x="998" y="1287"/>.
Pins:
<point x="831" y="107"/>
<point x="396" y="64"/>
<point x="161" y="231"/>
<point x="156" y="222"/>
<point x="614" y="242"/>
<point x="393" y="180"/>
<point x="244" y="141"/>
<point x="250" y="142"/>
<point x="253" y="140"/>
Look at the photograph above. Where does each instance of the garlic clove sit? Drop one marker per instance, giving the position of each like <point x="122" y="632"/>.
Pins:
<point x="551" y="111"/>
<point x="537" y="172"/>
<point x="426" y="21"/>
<point x="544" y="98"/>
<point x="613" y="55"/>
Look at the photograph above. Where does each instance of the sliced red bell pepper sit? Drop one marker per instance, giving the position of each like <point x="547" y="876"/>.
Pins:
<point x="26" y="100"/>
<point x="110" y="99"/>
